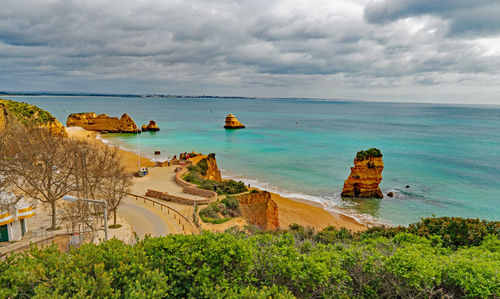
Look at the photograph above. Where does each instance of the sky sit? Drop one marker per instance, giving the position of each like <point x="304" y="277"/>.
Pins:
<point x="386" y="50"/>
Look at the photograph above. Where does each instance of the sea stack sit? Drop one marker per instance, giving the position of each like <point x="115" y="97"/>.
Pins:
<point x="232" y="122"/>
<point x="366" y="175"/>
<point x="102" y="122"/>
<point x="152" y="126"/>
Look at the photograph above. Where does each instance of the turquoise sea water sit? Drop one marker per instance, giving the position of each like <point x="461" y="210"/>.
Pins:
<point x="449" y="155"/>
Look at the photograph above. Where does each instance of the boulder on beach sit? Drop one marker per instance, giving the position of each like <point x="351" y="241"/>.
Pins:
<point x="366" y="175"/>
<point x="232" y="122"/>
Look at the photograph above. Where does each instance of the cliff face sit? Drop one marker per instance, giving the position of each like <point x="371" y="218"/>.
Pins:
<point x="233" y="123"/>
<point x="365" y="177"/>
<point x="11" y="111"/>
<point x="102" y="122"/>
<point x="213" y="172"/>
<point x="3" y="117"/>
<point x="152" y="126"/>
<point x="260" y="210"/>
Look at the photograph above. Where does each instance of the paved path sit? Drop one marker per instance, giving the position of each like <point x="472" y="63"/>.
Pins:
<point x="160" y="179"/>
<point x="146" y="219"/>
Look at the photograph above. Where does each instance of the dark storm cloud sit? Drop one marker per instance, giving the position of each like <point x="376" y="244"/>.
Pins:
<point x="316" y="48"/>
<point x="465" y="16"/>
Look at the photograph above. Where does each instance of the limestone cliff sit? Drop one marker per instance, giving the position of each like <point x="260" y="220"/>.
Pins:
<point x="102" y="122"/>
<point x="152" y="126"/>
<point x="366" y="175"/>
<point x="259" y="209"/>
<point x="12" y="111"/>
<point x="208" y="164"/>
<point x="232" y="122"/>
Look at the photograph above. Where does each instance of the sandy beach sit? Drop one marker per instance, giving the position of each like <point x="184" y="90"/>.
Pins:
<point x="290" y="211"/>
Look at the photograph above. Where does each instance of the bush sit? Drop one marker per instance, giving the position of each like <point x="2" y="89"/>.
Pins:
<point x="232" y="187"/>
<point x="203" y="166"/>
<point x="193" y="177"/>
<point x="211" y="211"/>
<point x="333" y="263"/>
<point x="372" y="152"/>
<point x="254" y="191"/>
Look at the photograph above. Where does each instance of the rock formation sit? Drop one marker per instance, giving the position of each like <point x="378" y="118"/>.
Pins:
<point x="12" y="111"/>
<point x="232" y="122"/>
<point x="366" y="175"/>
<point x="259" y="209"/>
<point x="102" y="122"/>
<point x="208" y="164"/>
<point x="152" y="126"/>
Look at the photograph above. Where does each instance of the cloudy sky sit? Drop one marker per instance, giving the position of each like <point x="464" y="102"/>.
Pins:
<point x="388" y="50"/>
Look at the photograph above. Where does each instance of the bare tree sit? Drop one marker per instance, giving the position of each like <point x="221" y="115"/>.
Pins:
<point x="42" y="165"/>
<point x="100" y="175"/>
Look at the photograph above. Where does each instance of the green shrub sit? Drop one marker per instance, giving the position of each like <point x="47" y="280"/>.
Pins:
<point x="211" y="211"/>
<point x="203" y="166"/>
<point x="456" y="231"/>
<point x="231" y="203"/>
<point x="232" y="187"/>
<point x="372" y="152"/>
<point x="332" y="263"/>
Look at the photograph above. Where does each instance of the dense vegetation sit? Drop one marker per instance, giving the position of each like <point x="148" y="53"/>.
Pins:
<point x="420" y="261"/>
<point x="27" y="113"/>
<point x="220" y="212"/>
<point x="372" y="152"/>
<point x="198" y="171"/>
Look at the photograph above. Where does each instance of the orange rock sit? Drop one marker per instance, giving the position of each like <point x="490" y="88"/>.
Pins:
<point x="365" y="177"/>
<point x="102" y="122"/>
<point x="152" y="126"/>
<point x="232" y="122"/>
<point x="259" y="209"/>
<point x="212" y="171"/>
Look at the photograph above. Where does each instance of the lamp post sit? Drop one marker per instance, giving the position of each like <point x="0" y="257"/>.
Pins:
<point x="101" y="202"/>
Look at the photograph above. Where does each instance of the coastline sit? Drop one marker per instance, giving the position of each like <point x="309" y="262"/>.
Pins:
<point x="300" y="211"/>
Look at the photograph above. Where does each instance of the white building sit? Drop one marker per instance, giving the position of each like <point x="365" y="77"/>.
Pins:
<point x="13" y="217"/>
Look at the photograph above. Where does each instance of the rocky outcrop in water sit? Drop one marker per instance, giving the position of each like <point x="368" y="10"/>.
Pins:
<point x="152" y="126"/>
<point x="17" y="112"/>
<point x="259" y="209"/>
<point x="232" y="122"/>
<point x="366" y="175"/>
<point x="102" y="122"/>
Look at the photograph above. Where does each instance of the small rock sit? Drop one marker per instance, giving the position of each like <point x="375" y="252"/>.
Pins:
<point x="390" y="194"/>
<point x="407" y="186"/>
<point x="157" y="152"/>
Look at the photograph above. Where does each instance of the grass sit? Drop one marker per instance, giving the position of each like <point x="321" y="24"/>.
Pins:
<point x="112" y="226"/>
<point x="215" y="221"/>
<point x="27" y="113"/>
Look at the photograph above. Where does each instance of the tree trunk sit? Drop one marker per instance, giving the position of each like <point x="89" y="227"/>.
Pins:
<point x="114" y="216"/>
<point x="53" y="206"/>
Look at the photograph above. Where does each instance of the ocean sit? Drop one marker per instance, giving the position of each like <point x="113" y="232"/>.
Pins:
<point x="449" y="155"/>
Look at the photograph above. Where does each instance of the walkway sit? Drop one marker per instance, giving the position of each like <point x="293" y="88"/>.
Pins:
<point x="146" y="219"/>
<point x="160" y="179"/>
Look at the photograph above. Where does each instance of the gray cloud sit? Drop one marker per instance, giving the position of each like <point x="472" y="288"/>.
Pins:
<point x="317" y="48"/>
<point x="465" y="17"/>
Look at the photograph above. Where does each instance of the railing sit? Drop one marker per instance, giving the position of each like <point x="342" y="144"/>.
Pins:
<point x="56" y="238"/>
<point x="174" y="211"/>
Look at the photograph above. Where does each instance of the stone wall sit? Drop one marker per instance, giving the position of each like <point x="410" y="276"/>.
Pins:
<point x="259" y="209"/>
<point x="178" y="199"/>
<point x="199" y="192"/>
